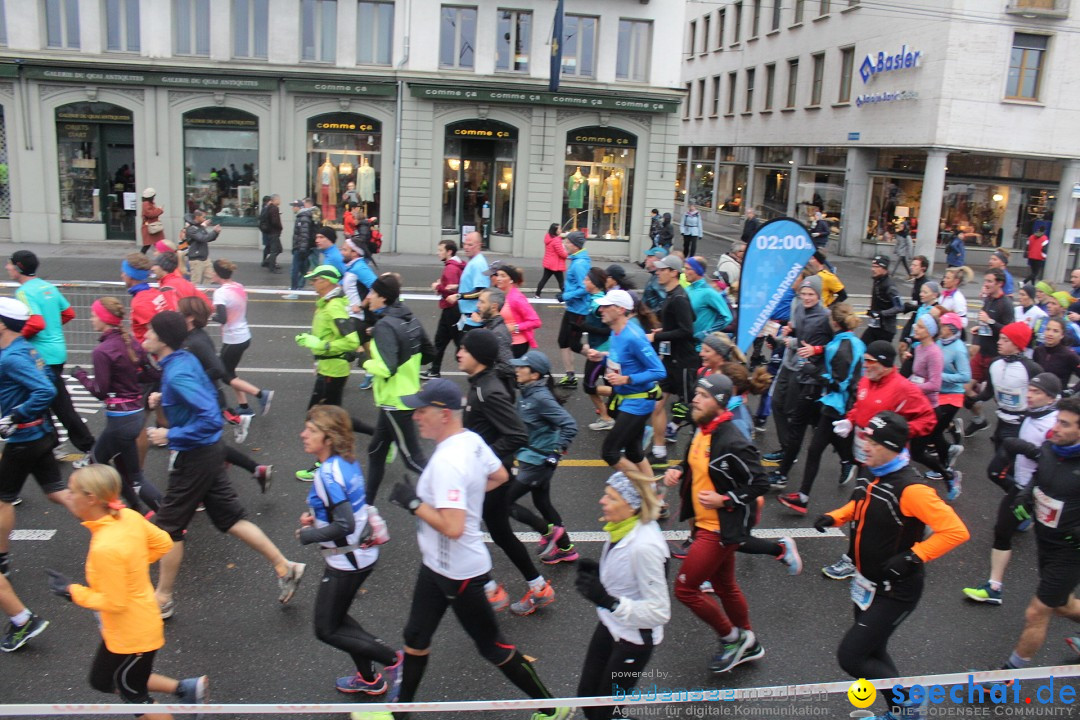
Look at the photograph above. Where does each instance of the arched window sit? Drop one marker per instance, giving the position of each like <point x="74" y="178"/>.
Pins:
<point x="344" y="165"/>
<point x="478" y="177"/>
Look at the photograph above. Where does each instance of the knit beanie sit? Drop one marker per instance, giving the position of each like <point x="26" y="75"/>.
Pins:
<point x="388" y="287"/>
<point x="813" y="282"/>
<point x="170" y="327"/>
<point x="1019" y="334"/>
<point x="482" y="345"/>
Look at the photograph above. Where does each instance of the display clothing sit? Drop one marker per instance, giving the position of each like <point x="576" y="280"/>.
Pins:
<point x="326" y="190"/>
<point x="612" y="193"/>
<point x="575" y="190"/>
<point x="365" y="182"/>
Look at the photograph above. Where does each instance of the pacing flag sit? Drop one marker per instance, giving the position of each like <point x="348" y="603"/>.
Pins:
<point x="556" y="49"/>
<point x="773" y="260"/>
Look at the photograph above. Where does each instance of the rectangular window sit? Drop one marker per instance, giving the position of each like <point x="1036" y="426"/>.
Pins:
<point x="3" y="43"/>
<point x="250" y="28"/>
<point x="800" y="8"/>
<point x="706" y="30"/>
<point x="1025" y="66"/>
<point x="824" y="8"/>
<point x="632" y="57"/>
<point x="457" y="37"/>
<point x="512" y="41"/>
<point x="715" y="96"/>
<point x="792" y="83"/>
<point x="122" y="25"/>
<point x="770" y="85"/>
<point x="689" y="97"/>
<point x="579" y="46"/>
<point x="721" y="17"/>
<point x="847" y="64"/>
<point x="62" y="24"/>
<point x="691" y="37"/>
<point x="318" y="30"/>
<point x="819" y="79"/>
<point x="732" y="81"/>
<point x="192" y="27"/>
<point x="737" y="20"/>
<point x="701" y="98"/>
<point x="374" y="32"/>
<point x="755" y="21"/>
<point x="777" y="6"/>
<point x="750" y="73"/>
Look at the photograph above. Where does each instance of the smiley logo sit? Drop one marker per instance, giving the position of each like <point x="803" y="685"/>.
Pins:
<point x="861" y="693"/>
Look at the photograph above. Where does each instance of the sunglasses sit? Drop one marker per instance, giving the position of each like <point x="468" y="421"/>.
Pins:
<point x="870" y="361"/>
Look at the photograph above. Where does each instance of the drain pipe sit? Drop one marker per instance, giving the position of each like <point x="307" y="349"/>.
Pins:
<point x="397" y="130"/>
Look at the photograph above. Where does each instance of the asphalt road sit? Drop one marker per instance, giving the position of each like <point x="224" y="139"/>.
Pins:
<point x="229" y="625"/>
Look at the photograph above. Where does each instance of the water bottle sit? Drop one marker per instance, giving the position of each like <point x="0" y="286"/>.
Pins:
<point x="379" y="534"/>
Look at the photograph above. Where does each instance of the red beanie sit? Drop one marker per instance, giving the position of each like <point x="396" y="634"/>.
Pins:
<point x="1019" y="333"/>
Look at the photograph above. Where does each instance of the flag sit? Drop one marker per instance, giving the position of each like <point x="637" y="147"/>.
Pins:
<point x="556" y="48"/>
<point x="772" y="263"/>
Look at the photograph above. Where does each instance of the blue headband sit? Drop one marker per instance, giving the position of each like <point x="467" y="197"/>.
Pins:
<point x="929" y="323"/>
<point x="695" y="266"/>
<point x="134" y="273"/>
<point x="625" y="487"/>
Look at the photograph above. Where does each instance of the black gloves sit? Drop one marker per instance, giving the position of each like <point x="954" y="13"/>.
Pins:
<point x="403" y="494"/>
<point x="58" y="584"/>
<point x="1016" y="446"/>
<point x="822" y="522"/>
<point x="558" y="297"/>
<point x="589" y="585"/>
<point x="901" y="566"/>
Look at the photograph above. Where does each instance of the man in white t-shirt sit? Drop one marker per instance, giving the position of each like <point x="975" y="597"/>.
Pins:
<point x="448" y="502"/>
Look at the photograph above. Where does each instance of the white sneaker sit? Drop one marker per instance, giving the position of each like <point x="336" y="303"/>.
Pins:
<point x="63" y="450"/>
<point x="290" y="296"/>
<point x="602" y="424"/>
<point x="240" y="432"/>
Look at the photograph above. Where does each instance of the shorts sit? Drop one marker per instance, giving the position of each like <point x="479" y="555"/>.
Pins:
<point x="21" y="460"/>
<point x="230" y="358"/>
<point x="1059" y="574"/>
<point x="125" y="675"/>
<point x="679" y="381"/>
<point x="980" y="367"/>
<point x="198" y="476"/>
<point x="570" y="331"/>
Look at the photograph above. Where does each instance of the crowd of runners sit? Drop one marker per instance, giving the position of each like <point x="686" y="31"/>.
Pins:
<point x="898" y="391"/>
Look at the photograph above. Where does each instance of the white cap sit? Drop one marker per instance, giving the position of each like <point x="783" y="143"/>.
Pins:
<point x="14" y="310"/>
<point x="149" y="193"/>
<point x="619" y="298"/>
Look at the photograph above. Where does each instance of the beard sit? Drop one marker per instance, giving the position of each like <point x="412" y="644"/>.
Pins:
<point x="703" y="417"/>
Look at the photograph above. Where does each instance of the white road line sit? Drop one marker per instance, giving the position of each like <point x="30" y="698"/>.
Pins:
<point x="32" y="534"/>
<point x="764" y="533"/>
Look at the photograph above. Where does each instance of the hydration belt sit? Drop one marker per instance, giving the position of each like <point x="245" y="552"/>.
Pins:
<point x="653" y="393"/>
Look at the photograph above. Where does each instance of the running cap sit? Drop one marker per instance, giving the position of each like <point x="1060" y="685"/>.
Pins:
<point x="437" y="392"/>
<point x="13" y="313"/>
<point x="951" y="318"/>
<point x="882" y="351"/>
<point x="657" y="251"/>
<point x="324" y="271"/>
<point x="534" y="359"/>
<point x="888" y="430"/>
<point x="718" y="386"/>
<point x="619" y="298"/>
<point x="881" y="261"/>
<point x="1049" y="383"/>
<point x="671" y="262"/>
<point x="25" y="262"/>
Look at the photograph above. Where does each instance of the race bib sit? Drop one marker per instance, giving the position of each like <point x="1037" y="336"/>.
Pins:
<point x="862" y="591"/>
<point x="985" y="330"/>
<point x="917" y="379"/>
<point x="859" y="447"/>
<point x="614" y="366"/>
<point x="1047" y="509"/>
<point x="1008" y="401"/>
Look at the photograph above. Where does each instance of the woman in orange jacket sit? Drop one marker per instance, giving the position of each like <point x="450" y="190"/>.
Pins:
<point x="122" y="547"/>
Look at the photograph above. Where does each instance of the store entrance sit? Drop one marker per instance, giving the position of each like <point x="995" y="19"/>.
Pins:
<point x="122" y="200"/>
<point x="476" y="179"/>
<point x="479" y="178"/>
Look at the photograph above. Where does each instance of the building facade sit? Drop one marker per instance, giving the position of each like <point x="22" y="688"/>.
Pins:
<point x="955" y="116"/>
<point x="435" y="118"/>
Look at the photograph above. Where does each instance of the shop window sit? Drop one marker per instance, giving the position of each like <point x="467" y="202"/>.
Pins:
<point x="374" y="32"/>
<point x="847" y="63"/>
<point x="457" y="37"/>
<point x="730" y="184"/>
<point x="122" y="25"/>
<point x="996" y="215"/>
<point x="1026" y="66"/>
<point x="250" y="28"/>
<point x="771" y="188"/>
<point x="3" y="25"/>
<point x="318" y="28"/>
<point x="702" y="173"/>
<point x="818" y="82"/>
<point x="192" y="27"/>
<point x="579" y="46"/>
<point x="598" y="181"/>
<point x="901" y="161"/>
<point x="680" y="173"/>
<point x="5" y="171"/>
<point x="775" y="154"/>
<point x="62" y="24"/>
<point x="892" y="199"/>
<point x="344" y="165"/>
<point x="512" y="41"/>
<point x="96" y="166"/>
<point x="478" y="177"/>
<point x="792" y="83"/>
<point x="826" y="157"/>
<point x="821" y="192"/>
<point x="221" y="164"/>
<point x="635" y="44"/>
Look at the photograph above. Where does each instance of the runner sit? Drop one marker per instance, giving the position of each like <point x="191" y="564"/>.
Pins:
<point x="326" y="242"/>
<point x="521" y="319"/>
<point x="885" y="303"/>
<point x="629" y="589"/>
<point x="332" y="340"/>
<point x="146" y="301"/>
<point x="230" y="309"/>
<point x="471" y="283"/>
<point x="338" y="518"/>
<point x="197" y="472"/>
<point x="122" y="548"/>
<point x="575" y="298"/>
<point x="928" y="366"/>
<point x="171" y="282"/>
<point x="996" y="313"/>
<point x="23" y="624"/>
<point x="447" y="285"/>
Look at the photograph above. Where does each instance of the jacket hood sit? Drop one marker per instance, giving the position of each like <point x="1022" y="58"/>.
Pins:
<point x="398" y="310"/>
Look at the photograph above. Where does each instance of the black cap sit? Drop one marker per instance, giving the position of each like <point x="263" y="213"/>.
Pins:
<point x="617" y="272"/>
<point x="482" y="345"/>
<point x="882" y="351"/>
<point x="388" y="287"/>
<point x="719" y="388"/>
<point x="889" y="430"/>
<point x="881" y="261"/>
<point x="25" y="261"/>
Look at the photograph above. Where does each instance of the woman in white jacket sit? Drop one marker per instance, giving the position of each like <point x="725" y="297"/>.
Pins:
<point x="629" y="588"/>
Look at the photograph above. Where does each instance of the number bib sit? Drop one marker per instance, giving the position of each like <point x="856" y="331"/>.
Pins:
<point x="1047" y="509"/>
<point x="862" y="591"/>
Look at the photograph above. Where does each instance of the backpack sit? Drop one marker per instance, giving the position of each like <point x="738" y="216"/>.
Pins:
<point x="264" y="219"/>
<point x="416" y="340"/>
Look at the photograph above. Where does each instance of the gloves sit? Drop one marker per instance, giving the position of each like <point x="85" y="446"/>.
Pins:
<point x="680" y="411"/>
<point x="1020" y="512"/>
<point x="558" y="297"/>
<point x="842" y="428"/>
<point x="1017" y="446"/>
<point x="309" y="341"/>
<point x="901" y="566"/>
<point x="403" y="494"/>
<point x="822" y="522"/>
<point x="59" y="584"/>
<point x="7" y="427"/>
<point x="589" y="585"/>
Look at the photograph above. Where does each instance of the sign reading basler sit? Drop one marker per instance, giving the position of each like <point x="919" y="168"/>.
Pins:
<point x="875" y="64"/>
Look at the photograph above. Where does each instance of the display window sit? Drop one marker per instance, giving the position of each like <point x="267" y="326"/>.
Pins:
<point x="702" y="172"/>
<point x="680" y="174"/>
<point x="892" y="199"/>
<point x="771" y="188"/>
<point x="344" y="165"/>
<point x="478" y="178"/>
<point x="821" y="191"/>
<point x="598" y="182"/>
<point x="5" y="178"/>
<point x="96" y="167"/>
<point x="992" y="215"/>
<point x="221" y="165"/>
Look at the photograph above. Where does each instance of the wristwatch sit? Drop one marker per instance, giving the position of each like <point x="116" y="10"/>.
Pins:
<point x="413" y="505"/>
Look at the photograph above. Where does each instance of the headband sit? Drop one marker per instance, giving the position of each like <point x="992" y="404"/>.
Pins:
<point x="928" y="321"/>
<point x="625" y="487"/>
<point x="104" y="315"/>
<point x="695" y="266"/>
<point x="116" y="504"/>
<point x="132" y="272"/>
<point x="355" y="249"/>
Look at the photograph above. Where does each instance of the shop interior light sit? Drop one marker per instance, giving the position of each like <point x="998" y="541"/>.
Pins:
<point x="370" y="139"/>
<point x="450" y="184"/>
<point x="998" y="197"/>
<point x="454" y="164"/>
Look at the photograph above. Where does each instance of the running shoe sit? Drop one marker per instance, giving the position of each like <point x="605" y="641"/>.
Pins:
<point x="392" y="675"/>
<point x="706" y="587"/>
<point x="957" y="431"/>
<point x="983" y="594"/>
<point x="791" y="556"/>
<point x="266" y="398"/>
<point x="954" y="453"/>
<point x="193" y="691"/>
<point x="18" y="635"/>
<point x="307" y="475"/>
<point x="16" y="501"/>
<point x="754" y="652"/>
<point x="777" y="480"/>
<point x="848" y="472"/>
<point x="568" y="381"/>
<point x="731" y="653"/>
<point x="602" y="424"/>
<point x="391" y="454"/>
<point x="549" y="540"/>
<point x="954" y="485"/>
<point x="933" y="475"/>
<point x="1024" y="526"/>
<point x="245" y="411"/>
<point x="680" y="551"/>
<point x="429" y="374"/>
<point x="792" y="501"/>
<point x="263" y="474"/>
<point x="773" y="458"/>
<point x="562" y="713"/>
<point x="567" y="555"/>
<point x="1073" y="641"/>
<point x="365" y="384"/>
<point x="497" y="598"/>
<point x="290" y="296"/>
<point x="84" y="461"/>
<point x="975" y="426"/>
<point x="665" y="511"/>
<point x="842" y="569"/>
<point x="357" y="684"/>
<point x="533" y="600"/>
<point x="671" y="432"/>
<point x="168" y="609"/>
<point x="290" y="581"/>
<point x="240" y="432"/>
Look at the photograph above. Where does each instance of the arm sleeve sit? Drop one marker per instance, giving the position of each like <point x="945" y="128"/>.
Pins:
<point x="840" y="367"/>
<point x="558" y="417"/>
<point x="110" y="593"/>
<point x="221" y="314"/>
<point x="843" y="515"/>
<point x="917" y="411"/>
<point x="963" y="369"/>
<point x="502" y="414"/>
<point x="340" y="344"/>
<point x="527" y="319"/>
<point x="896" y="303"/>
<point x="344" y="522"/>
<point x="936" y="365"/>
<point x="684" y="322"/>
<point x="654" y="606"/>
<point x="923" y="502"/>
<point x="575" y="281"/>
<point x="42" y="392"/>
<point x="206" y="414"/>
<point x="67" y="315"/>
<point x="34" y="325"/>
<point x="386" y="341"/>
<point x="841" y="295"/>
<point x="653" y="366"/>
<point x="158" y="541"/>
<point x="99" y="386"/>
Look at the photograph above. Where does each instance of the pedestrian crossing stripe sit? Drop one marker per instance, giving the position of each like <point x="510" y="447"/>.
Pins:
<point x="32" y="534"/>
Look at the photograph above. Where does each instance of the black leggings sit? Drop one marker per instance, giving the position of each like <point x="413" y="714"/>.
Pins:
<point x="116" y="446"/>
<point x="548" y="274"/>
<point x="823" y="437"/>
<point x="327" y="390"/>
<point x="497" y="519"/>
<point x="124" y="675"/>
<point x="921" y="447"/>
<point x="625" y="439"/>
<point x="802" y="412"/>
<point x="1006" y="524"/>
<point x="335" y="627"/>
<point x="392" y="426"/>
<point x="78" y="432"/>
<point x="535" y="479"/>
<point x="446" y="332"/>
<point x="611" y="664"/>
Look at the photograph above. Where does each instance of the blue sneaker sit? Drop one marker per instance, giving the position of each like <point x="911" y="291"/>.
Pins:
<point x="265" y="398"/>
<point x="954" y="485"/>
<point x="772" y="458"/>
<point x="193" y="691"/>
<point x="791" y="556"/>
<point x="392" y="675"/>
<point x="365" y="384"/>
<point x="357" y="684"/>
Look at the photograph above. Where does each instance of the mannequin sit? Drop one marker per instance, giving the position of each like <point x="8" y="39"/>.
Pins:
<point x="575" y="193"/>
<point x="326" y="189"/>
<point x="612" y="197"/>
<point x="365" y="181"/>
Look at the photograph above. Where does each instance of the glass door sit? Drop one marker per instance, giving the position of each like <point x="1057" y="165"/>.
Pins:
<point x="122" y="198"/>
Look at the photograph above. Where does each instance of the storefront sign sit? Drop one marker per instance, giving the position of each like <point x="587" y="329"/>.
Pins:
<point x="222" y="118"/>
<point x="528" y="97"/>
<point x="343" y="88"/>
<point x="1072" y="236"/>
<point x="343" y="122"/>
<point x="100" y="76"/>
<point x="601" y="136"/>
<point x="112" y="114"/>
<point x="482" y="130"/>
<point x="875" y="64"/>
<point x="853" y="136"/>
<point x="888" y="96"/>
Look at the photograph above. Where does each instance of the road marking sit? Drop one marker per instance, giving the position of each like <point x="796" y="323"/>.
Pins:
<point x="32" y="534"/>
<point x="679" y="535"/>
